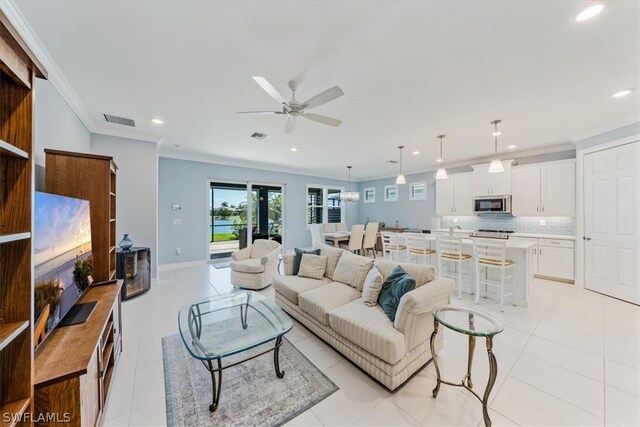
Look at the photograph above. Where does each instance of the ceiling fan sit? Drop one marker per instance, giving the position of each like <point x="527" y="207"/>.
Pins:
<point x="295" y="109"/>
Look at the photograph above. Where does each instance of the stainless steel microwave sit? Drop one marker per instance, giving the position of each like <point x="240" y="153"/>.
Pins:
<point x="483" y="205"/>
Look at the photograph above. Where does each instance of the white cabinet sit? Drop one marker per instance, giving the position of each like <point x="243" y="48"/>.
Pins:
<point x="454" y="195"/>
<point x="544" y="190"/>
<point x="492" y="184"/>
<point x="556" y="259"/>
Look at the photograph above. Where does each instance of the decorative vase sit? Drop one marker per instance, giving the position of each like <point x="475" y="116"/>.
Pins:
<point x="126" y="243"/>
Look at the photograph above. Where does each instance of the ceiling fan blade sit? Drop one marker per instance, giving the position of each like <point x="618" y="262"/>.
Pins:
<point x="291" y="125"/>
<point x="264" y="84"/>
<point x="260" y="112"/>
<point x="323" y="97"/>
<point x="326" y="120"/>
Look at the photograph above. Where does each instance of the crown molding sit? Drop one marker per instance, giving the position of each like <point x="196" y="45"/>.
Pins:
<point x="59" y="81"/>
<point x="480" y="160"/>
<point x="194" y="156"/>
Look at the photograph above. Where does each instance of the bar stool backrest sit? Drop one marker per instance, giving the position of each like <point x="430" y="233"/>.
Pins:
<point x="490" y="249"/>
<point x="449" y="245"/>
<point x="389" y="242"/>
<point x="416" y="243"/>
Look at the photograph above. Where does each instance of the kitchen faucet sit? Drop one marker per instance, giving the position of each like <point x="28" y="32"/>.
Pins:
<point x="451" y="228"/>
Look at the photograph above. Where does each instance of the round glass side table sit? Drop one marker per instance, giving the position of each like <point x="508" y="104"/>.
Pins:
<point x="473" y="323"/>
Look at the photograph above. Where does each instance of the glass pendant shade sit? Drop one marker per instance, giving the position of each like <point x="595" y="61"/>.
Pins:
<point x="496" y="166"/>
<point x="400" y="179"/>
<point x="349" y="196"/>
<point x="441" y="174"/>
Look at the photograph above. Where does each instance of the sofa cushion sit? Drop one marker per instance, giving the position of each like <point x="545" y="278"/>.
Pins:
<point x="396" y="285"/>
<point x="290" y="286"/>
<point x="318" y="302"/>
<point x="369" y="328"/>
<point x="421" y="273"/>
<point x="247" y="266"/>
<point x="333" y="256"/>
<point x="262" y="247"/>
<point x="298" y="258"/>
<point x="312" y="266"/>
<point x="352" y="270"/>
<point x="372" y="287"/>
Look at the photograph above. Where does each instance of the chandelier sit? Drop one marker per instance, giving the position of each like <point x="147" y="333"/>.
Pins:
<point x="349" y="196"/>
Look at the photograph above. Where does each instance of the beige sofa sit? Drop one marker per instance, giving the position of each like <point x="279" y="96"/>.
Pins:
<point x="389" y="351"/>
<point x="254" y="266"/>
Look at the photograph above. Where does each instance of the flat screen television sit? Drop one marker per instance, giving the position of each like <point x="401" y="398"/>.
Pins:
<point x="62" y="259"/>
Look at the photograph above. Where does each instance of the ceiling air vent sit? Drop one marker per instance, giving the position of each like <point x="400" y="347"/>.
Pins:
<point x="392" y="161"/>
<point x="119" y="120"/>
<point x="259" y="135"/>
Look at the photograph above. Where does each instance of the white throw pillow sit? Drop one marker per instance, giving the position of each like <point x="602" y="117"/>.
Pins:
<point x="312" y="266"/>
<point x="372" y="287"/>
<point x="352" y="269"/>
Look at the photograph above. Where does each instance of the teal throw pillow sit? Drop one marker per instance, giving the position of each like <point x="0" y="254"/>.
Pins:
<point x="396" y="285"/>
<point x="298" y="258"/>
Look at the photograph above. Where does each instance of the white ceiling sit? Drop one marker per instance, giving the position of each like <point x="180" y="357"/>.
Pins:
<point x="409" y="70"/>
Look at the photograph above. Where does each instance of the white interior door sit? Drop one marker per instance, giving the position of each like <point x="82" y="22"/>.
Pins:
<point x="612" y="222"/>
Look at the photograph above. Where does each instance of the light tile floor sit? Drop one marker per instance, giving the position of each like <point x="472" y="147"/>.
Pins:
<point x="571" y="358"/>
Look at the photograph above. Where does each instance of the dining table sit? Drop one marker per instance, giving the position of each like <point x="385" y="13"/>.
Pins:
<point x="336" y="237"/>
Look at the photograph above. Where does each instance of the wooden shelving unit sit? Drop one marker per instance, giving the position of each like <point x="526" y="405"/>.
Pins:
<point x="18" y="71"/>
<point x="89" y="177"/>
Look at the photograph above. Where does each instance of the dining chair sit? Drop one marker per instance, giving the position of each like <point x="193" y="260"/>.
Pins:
<point x="393" y="247"/>
<point x="492" y="254"/>
<point x="370" y="238"/>
<point x="316" y="234"/>
<point x="419" y="249"/>
<point x="449" y="249"/>
<point x="341" y="226"/>
<point x="355" y="239"/>
<point x="328" y="227"/>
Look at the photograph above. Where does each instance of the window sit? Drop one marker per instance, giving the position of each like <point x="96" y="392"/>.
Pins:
<point x="369" y="195"/>
<point x="323" y="204"/>
<point x="418" y="191"/>
<point x="390" y="193"/>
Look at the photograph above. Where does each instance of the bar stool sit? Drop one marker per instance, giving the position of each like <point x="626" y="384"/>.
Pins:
<point x="419" y="247"/>
<point x="449" y="250"/>
<point x="392" y="246"/>
<point x="491" y="254"/>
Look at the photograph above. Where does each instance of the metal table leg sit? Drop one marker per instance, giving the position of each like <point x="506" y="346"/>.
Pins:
<point x="215" y="386"/>
<point x="472" y="349"/>
<point x="493" y="373"/>
<point x="434" y="357"/>
<point x="276" y="358"/>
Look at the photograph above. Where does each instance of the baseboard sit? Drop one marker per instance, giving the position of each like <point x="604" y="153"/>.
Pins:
<point x="177" y="265"/>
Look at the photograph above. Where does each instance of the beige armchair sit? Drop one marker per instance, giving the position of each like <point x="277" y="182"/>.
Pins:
<point x="254" y="266"/>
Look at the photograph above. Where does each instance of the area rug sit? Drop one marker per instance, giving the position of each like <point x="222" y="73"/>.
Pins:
<point x="251" y="394"/>
<point x="219" y="265"/>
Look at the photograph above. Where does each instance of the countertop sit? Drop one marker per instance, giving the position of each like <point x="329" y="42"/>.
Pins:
<point x="525" y="235"/>
<point x="511" y="244"/>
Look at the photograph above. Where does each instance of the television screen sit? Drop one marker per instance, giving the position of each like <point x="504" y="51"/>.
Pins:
<point x="62" y="258"/>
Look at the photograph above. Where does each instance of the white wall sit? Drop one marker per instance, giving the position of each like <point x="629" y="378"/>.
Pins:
<point x="136" y="189"/>
<point x="56" y="126"/>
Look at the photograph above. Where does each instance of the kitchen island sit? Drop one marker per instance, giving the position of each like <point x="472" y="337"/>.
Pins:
<point x="518" y="250"/>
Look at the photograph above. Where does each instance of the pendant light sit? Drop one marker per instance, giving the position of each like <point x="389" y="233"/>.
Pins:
<point x="400" y="179"/>
<point x="496" y="163"/>
<point x="442" y="172"/>
<point x="349" y="196"/>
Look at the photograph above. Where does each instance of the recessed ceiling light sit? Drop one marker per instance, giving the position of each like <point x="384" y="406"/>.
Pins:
<point x="621" y="93"/>
<point x="157" y="121"/>
<point x="177" y="145"/>
<point x="512" y="146"/>
<point x="415" y="153"/>
<point x="589" y="12"/>
<point x="293" y="149"/>
<point x="259" y="135"/>
<point x="496" y="133"/>
<point x="439" y="160"/>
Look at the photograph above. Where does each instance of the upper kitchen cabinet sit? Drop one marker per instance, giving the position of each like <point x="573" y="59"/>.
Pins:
<point x="545" y="189"/>
<point x="490" y="184"/>
<point x="454" y="195"/>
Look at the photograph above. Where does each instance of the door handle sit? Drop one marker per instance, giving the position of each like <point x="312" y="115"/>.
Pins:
<point x="543" y="209"/>
<point x="586" y="238"/>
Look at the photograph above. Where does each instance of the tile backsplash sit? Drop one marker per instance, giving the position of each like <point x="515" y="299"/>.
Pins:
<point x="553" y="225"/>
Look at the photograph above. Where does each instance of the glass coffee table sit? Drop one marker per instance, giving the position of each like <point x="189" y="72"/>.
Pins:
<point x="474" y="324"/>
<point x="217" y="328"/>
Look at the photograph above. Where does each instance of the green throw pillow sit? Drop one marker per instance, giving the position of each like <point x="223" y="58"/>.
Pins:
<point x="396" y="285"/>
<point x="298" y="258"/>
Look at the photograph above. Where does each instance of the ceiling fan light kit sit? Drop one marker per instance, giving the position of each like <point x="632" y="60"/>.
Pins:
<point x="442" y="172"/>
<point x="349" y="196"/>
<point x="496" y="163"/>
<point x="400" y="179"/>
<point x="294" y="109"/>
